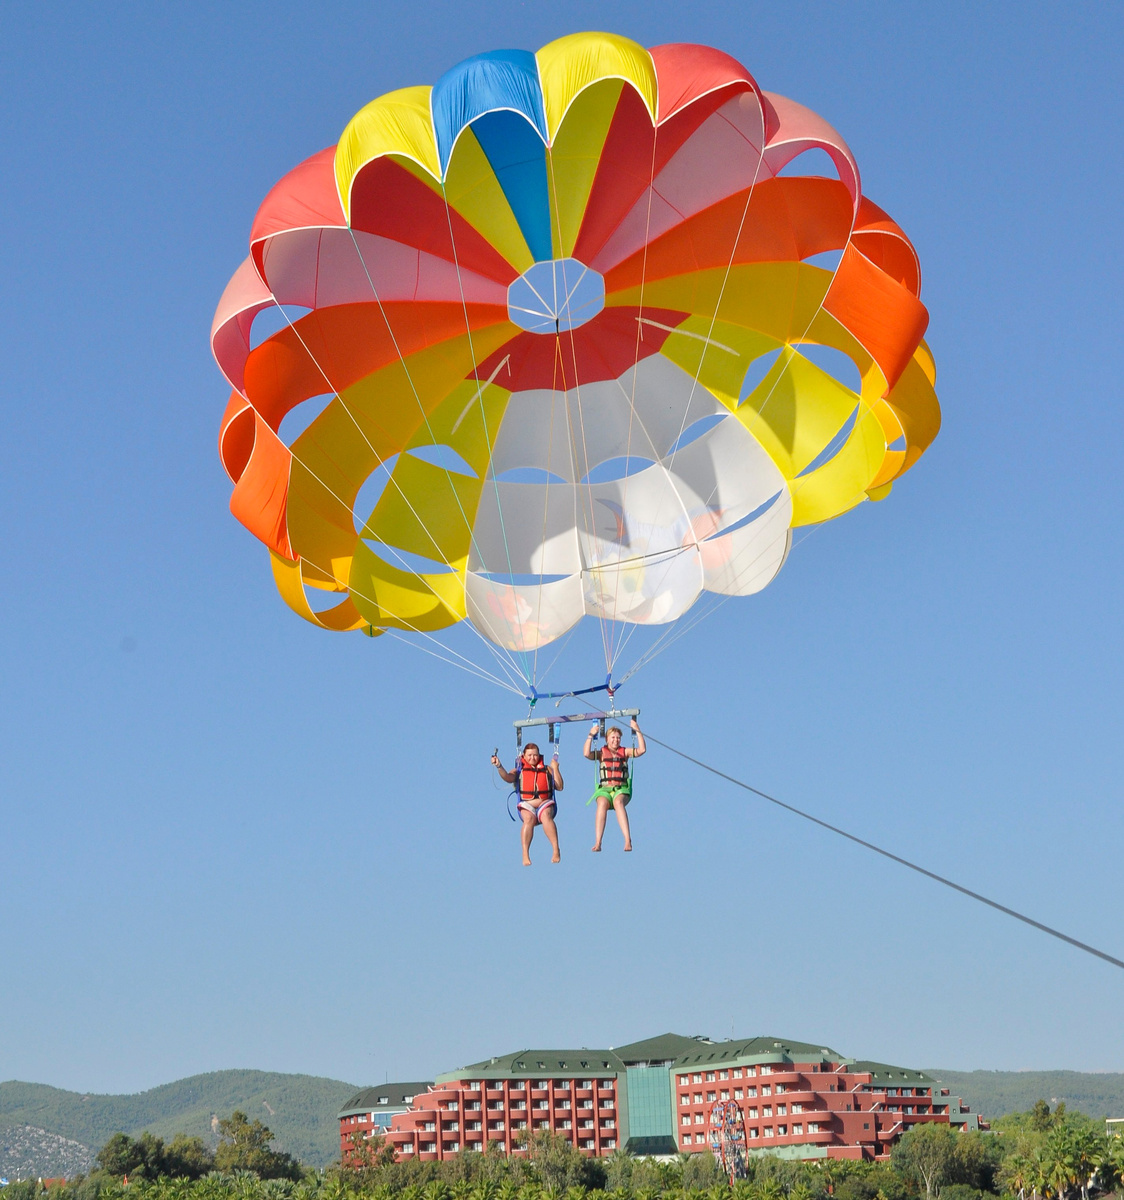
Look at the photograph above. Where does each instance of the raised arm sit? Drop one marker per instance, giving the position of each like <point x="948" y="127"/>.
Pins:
<point x="506" y="776"/>
<point x="589" y="751"/>
<point x="641" y="746"/>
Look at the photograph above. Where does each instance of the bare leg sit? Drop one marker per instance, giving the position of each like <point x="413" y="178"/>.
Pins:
<point x="551" y="831"/>
<point x="527" y="833"/>
<point x="599" y="822"/>
<point x="620" y="806"/>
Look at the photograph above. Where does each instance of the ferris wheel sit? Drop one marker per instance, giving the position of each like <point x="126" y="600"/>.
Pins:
<point x="727" y="1138"/>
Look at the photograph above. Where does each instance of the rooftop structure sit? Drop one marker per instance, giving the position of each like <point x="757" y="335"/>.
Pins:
<point x="654" y="1097"/>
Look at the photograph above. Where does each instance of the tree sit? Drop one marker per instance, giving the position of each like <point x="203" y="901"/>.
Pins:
<point x="244" y="1146"/>
<point x="558" y="1163"/>
<point x="925" y="1154"/>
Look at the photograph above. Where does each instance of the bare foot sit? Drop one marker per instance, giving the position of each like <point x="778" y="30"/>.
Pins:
<point x="557" y="857"/>
<point x="596" y="849"/>
<point x="629" y="846"/>
<point x="526" y="861"/>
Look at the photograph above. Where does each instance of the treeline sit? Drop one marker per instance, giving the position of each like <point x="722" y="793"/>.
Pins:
<point x="1039" y="1155"/>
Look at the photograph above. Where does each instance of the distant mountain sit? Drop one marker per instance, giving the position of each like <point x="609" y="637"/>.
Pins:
<point x="996" y="1093"/>
<point x="30" y="1153"/>
<point x="299" y="1109"/>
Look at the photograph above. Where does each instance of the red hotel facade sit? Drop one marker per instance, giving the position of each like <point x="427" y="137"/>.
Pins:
<point x="654" y="1097"/>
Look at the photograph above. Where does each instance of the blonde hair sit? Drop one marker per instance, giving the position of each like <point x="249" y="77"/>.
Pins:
<point x="615" y="729"/>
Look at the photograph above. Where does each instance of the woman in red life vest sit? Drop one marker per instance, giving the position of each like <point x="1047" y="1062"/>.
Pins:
<point x="614" y="786"/>
<point x="537" y="784"/>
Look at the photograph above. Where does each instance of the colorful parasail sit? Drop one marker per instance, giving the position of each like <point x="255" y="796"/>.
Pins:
<point x="561" y="336"/>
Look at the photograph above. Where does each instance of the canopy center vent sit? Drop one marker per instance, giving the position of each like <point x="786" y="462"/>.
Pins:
<point x="556" y="295"/>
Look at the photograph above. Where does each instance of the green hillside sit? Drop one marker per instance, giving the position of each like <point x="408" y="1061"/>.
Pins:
<point x="300" y="1109"/>
<point x="995" y="1093"/>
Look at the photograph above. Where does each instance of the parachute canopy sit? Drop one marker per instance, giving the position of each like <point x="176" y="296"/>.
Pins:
<point x="565" y="334"/>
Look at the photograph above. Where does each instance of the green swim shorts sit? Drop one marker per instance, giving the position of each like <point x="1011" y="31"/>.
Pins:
<point x="610" y="796"/>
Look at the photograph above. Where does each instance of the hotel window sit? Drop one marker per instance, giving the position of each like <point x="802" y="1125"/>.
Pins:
<point x="751" y="1091"/>
<point x="813" y="1127"/>
<point x="586" y="1084"/>
<point x="700" y="1139"/>
<point x="428" y="1147"/>
<point x="495" y="1124"/>
<point x="561" y="1085"/>
<point x="564" y="1125"/>
<point x="781" y="1110"/>
<point x="472" y="1125"/>
<point x="681" y="1079"/>
<point x="866" y="1124"/>
<point x="782" y="1130"/>
<point x="686" y="1139"/>
<point x="539" y="1085"/>
<point x="710" y="1076"/>
<point x="698" y="1097"/>
<point x="737" y="1093"/>
<point x="685" y="1119"/>
<point x="768" y="1131"/>
<point x="607" y="1104"/>
<point x="797" y="1108"/>
<point x="737" y="1072"/>
<point x="684" y="1098"/>
<point x="519" y="1124"/>
<point x="767" y="1111"/>
<point x="766" y="1090"/>
<point x="766" y="1069"/>
<point x="725" y="1094"/>
<point x="542" y="1124"/>
<point x="563" y="1104"/>
<point x="585" y="1104"/>
<point x="753" y="1133"/>
<point x="797" y="1130"/>
<point x="502" y="1146"/>
<point x="406" y="1148"/>
<point x="710" y="1097"/>
<point x="609" y="1124"/>
<point x="541" y="1104"/>
<point x="699" y="1118"/>
<point x="585" y="1124"/>
<point x="611" y="1143"/>
<point x="475" y="1085"/>
<point x="696" y="1079"/>
<point x="495" y="1105"/>
<point x="589" y="1144"/>
<point x="780" y="1088"/>
<point x="519" y="1104"/>
<point x="429" y="1126"/>
<point x="723" y="1074"/>
<point x="753" y="1112"/>
<point x="473" y="1106"/>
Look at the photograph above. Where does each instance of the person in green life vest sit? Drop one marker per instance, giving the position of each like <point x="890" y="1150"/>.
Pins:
<point x="613" y="782"/>
<point x="536" y="783"/>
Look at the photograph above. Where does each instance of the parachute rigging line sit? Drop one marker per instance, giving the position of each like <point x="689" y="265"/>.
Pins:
<point x="905" y="862"/>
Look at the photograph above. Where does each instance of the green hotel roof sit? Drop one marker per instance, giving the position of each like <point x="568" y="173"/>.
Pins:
<point x="385" y="1096"/>
<point x="895" y="1076"/>
<point x="679" y="1052"/>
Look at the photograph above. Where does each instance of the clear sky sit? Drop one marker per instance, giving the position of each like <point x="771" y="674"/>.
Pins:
<point x="229" y="839"/>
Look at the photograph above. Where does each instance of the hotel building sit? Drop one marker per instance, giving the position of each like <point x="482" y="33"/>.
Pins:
<point x="798" y="1100"/>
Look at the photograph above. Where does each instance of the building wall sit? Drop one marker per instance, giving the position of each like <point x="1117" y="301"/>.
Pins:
<point x="801" y="1109"/>
<point x="463" y="1114"/>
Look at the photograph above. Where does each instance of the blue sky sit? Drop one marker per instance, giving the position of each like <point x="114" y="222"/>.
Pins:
<point x="232" y="840"/>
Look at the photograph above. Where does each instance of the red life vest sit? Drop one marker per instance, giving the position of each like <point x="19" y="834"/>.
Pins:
<point x="536" y="783"/>
<point x="614" y="768"/>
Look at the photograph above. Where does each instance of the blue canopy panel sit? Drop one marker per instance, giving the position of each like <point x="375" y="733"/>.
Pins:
<point x="499" y="95"/>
